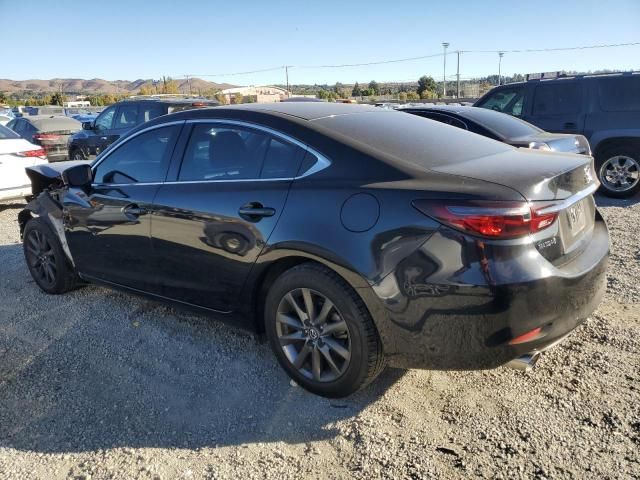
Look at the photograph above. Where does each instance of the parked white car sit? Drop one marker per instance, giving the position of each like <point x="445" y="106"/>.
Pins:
<point x="15" y="154"/>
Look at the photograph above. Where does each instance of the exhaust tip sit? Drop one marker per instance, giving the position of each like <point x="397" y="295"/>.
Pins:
<point x="525" y="362"/>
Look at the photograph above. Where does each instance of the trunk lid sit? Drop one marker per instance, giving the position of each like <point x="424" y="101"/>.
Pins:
<point x="54" y="143"/>
<point x="537" y="175"/>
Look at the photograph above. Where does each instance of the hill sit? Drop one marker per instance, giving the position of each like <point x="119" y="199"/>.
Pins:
<point x="94" y="86"/>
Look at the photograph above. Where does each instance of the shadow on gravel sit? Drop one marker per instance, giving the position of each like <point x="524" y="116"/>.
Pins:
<point x="603" y="201"/>
<point x="98" y="369"/>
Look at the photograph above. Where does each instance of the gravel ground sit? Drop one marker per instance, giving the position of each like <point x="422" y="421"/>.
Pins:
<point x="99" y="384"/>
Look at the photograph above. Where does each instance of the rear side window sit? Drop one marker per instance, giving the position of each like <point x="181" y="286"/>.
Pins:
<point x="127" y="116"/>
<point x="557" y="98"/>
<point x="144" y="158"/>
<point x="149" y="112"/>
<point x="7" y="133"/>
<point x="619" y="94"/>
<point x="219" y="152"/>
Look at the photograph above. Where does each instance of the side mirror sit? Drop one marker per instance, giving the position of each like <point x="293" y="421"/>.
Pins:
<point x="88" y="125"/>
<point x="78" y="176"/>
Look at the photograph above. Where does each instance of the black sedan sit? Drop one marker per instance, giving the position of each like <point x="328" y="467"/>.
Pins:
<point x="504" y="128"/>
<point x="352" y="236"/>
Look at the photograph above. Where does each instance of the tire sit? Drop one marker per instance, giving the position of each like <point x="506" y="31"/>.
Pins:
<point x="45" y="259"/>
<point x="347" y="329"/>
<point x="616" y="161"/>
<point x="77" y="154"/>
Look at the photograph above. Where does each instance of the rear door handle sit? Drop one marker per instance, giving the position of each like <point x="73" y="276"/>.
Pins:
<point x="255" y="210"/>
<point x="570" y="125"/>
<point x="134" y="210"/>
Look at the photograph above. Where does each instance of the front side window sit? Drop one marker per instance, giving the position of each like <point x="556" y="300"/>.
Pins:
<point x="105" y="119"/>
<point x="218" y="152"/>
<point x="127" y="116"/>
<point x="149" y="112"/>
<point x="506" y="100"/>
<point x="557" y="98"/>
<point x="144" y="158"/>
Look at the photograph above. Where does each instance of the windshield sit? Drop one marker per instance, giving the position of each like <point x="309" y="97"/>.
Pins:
<point x="7" y="133"/>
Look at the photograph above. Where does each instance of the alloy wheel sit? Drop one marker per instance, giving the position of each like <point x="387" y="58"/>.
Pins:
<point x="313" y="335"/>
<point x="620" y="173"/>
<point x="41" y="258"/>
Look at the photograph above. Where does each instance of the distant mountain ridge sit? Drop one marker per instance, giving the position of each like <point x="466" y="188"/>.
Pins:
<point x="80" y="86"/>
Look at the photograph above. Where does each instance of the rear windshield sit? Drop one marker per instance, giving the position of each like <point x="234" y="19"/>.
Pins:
<point x="422" y="142"/>
<point x="6" y="133"/>
<point x="502" y="124"/>
<point x="619" y="94"/>
<point x="56" y="124"/>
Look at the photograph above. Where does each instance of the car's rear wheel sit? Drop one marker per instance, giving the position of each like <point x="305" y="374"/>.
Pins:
<point x="619" y="171"/>
<point x="321" y="332"/>
<point x="45" y="259"/>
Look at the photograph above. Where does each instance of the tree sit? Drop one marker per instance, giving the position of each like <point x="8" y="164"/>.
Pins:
<point x="402" y="96"/>
<point x="146" y="90"/>
<point x="238" y="98"/>
<point x="323" y="94"/>
<point x="374" y="87"/>
<point x="3" y="97"/>
<point x="58" y="99"/>
<point x="412" y="96"/>
<point x="337" y="88"/>
<point x="356" y="92"/>
<point x="426" y="84"/>
<point x="222" y="99"/>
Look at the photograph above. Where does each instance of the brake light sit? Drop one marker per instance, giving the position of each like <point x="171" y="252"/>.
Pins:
<point x="46" y="136"/>
<point x="500" y="220"/>
<point x="33" y="153"/>
<point x="198" y="104"/>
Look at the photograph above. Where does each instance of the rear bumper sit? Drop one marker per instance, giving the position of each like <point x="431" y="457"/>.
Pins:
<point x="456" y="303"/>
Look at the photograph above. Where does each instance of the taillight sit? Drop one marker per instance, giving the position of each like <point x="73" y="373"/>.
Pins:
<point x="32" y="153"/>
<point x="46" y="136"/>
<point x="500" y="220"/>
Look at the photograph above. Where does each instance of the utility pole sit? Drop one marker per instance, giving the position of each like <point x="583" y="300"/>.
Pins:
<point x="458" y="76"/>
<point x="444" y="71"/>
<point x="189" y="82"/>
<point x="286" y="72"/>
<point x="500" y="55"/>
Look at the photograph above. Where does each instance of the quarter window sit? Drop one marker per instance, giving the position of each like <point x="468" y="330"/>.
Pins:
<point x="557" y="98"/>
<point x="217" y="152"/>
<point x="144" y="158"/>
<point x="619" y="94"/>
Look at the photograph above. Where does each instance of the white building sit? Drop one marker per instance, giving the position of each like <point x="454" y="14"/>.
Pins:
<point x="259" y="94"/>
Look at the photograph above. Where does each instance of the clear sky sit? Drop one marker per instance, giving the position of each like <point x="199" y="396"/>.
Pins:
<point x="118" y="39"/>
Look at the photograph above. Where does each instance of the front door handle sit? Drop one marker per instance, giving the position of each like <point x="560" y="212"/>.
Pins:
<point x="570" y="126"/>
<point x="256" y="211"/>
<point x="134" y="210"/>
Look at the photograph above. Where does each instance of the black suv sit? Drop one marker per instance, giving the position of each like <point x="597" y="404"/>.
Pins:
<point x="605" y="108"/>
<point x="118" y="119"/>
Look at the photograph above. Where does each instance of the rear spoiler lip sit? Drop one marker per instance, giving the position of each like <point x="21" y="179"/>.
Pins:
<point x="567" y="202"/>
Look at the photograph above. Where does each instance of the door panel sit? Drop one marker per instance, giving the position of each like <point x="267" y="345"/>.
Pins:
<point x="205" y="247"/>
<point x="109" y="239"/>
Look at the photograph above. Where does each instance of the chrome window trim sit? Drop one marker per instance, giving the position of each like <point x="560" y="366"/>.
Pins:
<point x="567" y="202"/>
<point x="321" y="162"/>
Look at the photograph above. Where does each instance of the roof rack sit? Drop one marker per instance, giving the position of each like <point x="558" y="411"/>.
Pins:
<point x="537" y="77"/>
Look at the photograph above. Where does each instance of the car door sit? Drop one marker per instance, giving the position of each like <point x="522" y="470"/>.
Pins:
<point x="211" y="222"/>
<point x="109" y="233"/>
<point x="100" y="137"/>
<point x="558" y="106"/>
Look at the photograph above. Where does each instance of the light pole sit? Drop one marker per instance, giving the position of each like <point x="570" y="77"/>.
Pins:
<point x="458" y="76"/>
<point x="444" y="71"/>
<point x="500" y="55"/>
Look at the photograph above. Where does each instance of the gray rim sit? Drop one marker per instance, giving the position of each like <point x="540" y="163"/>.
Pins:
<point x="620" y="173"/>
<point x="41" y="258"/>
<point x="78" y="156"/>
<point x="313" y="335"/>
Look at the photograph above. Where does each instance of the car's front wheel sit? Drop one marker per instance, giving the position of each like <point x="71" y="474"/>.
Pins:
<point x="77" y="154"/>
<point x="321" y="332"/>
<point x="45" y="259"/>
<point x="619" y="171"/>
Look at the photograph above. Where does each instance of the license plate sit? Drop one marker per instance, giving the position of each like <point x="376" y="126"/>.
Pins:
<point x="576" y="217"/>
